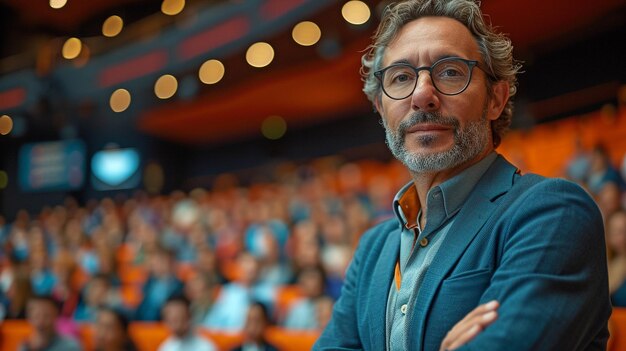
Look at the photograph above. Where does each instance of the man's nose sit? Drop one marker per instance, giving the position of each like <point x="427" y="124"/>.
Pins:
<point x="425" y="96"/>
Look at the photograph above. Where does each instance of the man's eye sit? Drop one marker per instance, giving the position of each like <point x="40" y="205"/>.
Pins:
<point x="451" y="72"/>
<point x="401" y="77"/>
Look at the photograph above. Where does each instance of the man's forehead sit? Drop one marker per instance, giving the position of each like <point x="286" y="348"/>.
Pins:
<point x="433" y="37"/>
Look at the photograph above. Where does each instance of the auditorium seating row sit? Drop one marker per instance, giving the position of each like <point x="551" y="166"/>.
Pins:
<point x="148" y="336"/>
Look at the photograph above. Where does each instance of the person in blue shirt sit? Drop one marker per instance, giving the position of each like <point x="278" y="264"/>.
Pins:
<point x="162" y="284"/>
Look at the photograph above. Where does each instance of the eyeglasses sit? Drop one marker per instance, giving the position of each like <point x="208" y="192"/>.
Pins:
<point x="450" y="76"/>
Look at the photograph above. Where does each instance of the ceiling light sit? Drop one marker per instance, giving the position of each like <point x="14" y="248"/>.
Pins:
<point x="355" y="12"/>
<point x="260" y="54"/>
<point x="112" y="26"/>
<point x="172" y="7"/>
<point x="71" y="48"/>
<point x="6" y="125"/>
<point x="211" y="72"/>
<point x="274" y="127"/>
<point x="120" y="100"/>
<point x="166" y="86"/>
<point x="57" y="4"/>
<point x="306" y="33"/>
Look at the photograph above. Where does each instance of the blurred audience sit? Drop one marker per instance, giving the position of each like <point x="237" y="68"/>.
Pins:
<point x="42" y="313"/>
<point x="111" y="331"/>
<point x="601" y="171"/>
<point x="96" y="294"/>
<point x="255" y="328"/>
<point x="200" y="290"/>
<point x="229" y="310"/>
<point x="20" y="291"/>
<point x="226" y="247"/>
<point x="177" y="318"/>
<point x="162" y="284"/>
<point x="302" y="313"/>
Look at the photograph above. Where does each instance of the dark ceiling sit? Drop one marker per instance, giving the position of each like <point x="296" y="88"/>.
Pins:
<point x="304" y="85"/>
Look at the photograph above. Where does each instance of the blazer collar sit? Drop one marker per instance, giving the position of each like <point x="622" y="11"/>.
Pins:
<point x="496" y="181"/>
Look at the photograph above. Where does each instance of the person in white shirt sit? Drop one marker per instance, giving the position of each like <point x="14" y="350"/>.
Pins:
<point x="177" y="317"/>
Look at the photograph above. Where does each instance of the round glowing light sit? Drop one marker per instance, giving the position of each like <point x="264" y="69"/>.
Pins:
<point x="57" y="4"/>
<point x="260" y="54"/>
<point x="120" y="100"/>
<point x="112" y="26"/>
<point x="211" y="72"/>
<point x="6" y="125"/>
<point x="172" y="7"/>
<point x="274" y="127"/>
<point x="166" y="86"/>
<point x="71" y="48"/>
<point x="356" y="12"/>
<point x="306" y="33"/>
<point x="4" y="179"/>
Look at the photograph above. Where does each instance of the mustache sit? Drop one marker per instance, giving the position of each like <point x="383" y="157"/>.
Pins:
<point x="427" y="117"/>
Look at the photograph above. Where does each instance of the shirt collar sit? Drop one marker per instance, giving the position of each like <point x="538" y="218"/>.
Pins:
<point x="455" y="190"/>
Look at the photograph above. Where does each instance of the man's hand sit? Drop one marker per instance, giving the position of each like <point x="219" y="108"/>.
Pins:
<point x="470" y="326"/>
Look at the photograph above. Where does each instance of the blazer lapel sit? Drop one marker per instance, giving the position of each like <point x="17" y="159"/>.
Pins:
<point x="381" y="279"/>
<point x="496" y="181"/>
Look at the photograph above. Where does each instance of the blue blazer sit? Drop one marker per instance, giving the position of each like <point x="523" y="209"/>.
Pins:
<point x="534" y="244"/>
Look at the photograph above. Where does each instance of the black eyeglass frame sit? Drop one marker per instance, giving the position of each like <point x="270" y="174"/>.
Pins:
<point x="470" y="64"/>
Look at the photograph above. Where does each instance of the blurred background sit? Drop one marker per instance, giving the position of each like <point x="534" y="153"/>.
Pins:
<point x="132" y="129"/>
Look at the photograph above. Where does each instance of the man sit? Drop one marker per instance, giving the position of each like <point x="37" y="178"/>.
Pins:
<point x="41" y="313"/>
<point x="480" y="257"/>
<point x="255" y="328"/>
<point x="177" y="317"/>
<point x="162" y="283"/>
<point x="228" y="313"/>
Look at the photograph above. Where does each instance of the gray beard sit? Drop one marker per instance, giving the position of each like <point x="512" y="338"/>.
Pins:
<point x="469" y="142"/>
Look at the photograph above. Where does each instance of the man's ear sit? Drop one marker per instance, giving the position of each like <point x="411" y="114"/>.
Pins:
<point x="499" y="98"/>
<point x="378" y="106"/>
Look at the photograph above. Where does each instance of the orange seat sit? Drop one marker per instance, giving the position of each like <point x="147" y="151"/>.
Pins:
<point x="618" y="329"/>
<point x="288" y="340"/>
<point x="147" y="335"/>
<point x="223" y="340"/>
<point x="13" y="333"/>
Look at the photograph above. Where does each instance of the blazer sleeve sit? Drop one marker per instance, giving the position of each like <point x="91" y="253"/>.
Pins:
<point x="341" y="332"/>
<point x="551" y="280"/>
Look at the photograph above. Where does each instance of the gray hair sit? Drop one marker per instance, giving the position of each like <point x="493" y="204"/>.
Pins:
<point x="495" y="48"/>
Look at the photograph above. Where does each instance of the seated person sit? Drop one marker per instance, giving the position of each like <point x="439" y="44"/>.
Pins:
<point x="42" y="312"/>
<point x="257" y="322"/>
<point x="162" y="284"/>
<point x="177" y="318"/>
<point x="301" y="314"/>
<point x="229" y="310"/>
<point x="93" y="297"/>
<point x="111" y="331"/>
